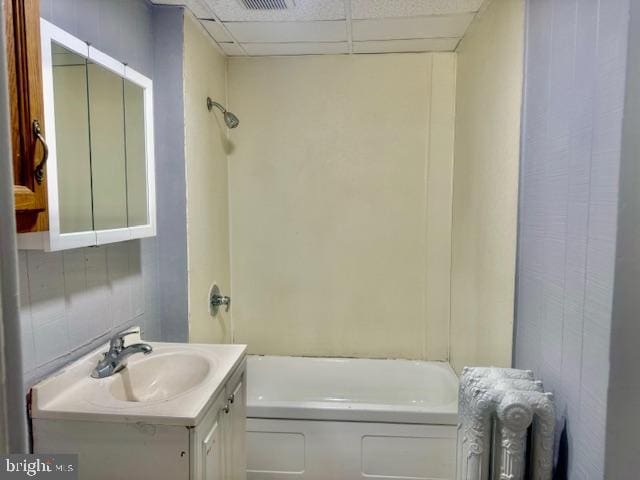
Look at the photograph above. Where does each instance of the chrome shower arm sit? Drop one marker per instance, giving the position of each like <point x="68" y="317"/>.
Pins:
<point x="211" y="104"/>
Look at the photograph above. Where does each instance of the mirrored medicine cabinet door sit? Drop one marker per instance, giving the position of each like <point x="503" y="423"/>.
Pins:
<point x="99" y="116"/>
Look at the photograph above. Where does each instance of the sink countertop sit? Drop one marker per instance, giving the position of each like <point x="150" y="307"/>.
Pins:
<point x="72" y="394"/>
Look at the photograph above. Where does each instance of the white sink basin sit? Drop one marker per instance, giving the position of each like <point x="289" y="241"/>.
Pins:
<point x="173" y="385"/>
<point x="161" y="377"/>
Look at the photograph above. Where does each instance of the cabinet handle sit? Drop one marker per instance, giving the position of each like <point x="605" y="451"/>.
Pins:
<point x="39" y="170"/>
<point x="232" y="397"/>
<point x="225" y="409"/>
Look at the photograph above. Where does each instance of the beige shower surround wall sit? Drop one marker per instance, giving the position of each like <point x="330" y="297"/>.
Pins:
<point x="339" y="197"/>
<point x="340" y="191"/>
<point x="485" y="193"/>
<point x="207" y="186"/>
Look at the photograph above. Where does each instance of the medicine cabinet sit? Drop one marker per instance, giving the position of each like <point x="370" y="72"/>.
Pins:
<point x="99" y="118"/>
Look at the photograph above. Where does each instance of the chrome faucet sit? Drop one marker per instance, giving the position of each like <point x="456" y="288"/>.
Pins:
<point x="116" y="358"/>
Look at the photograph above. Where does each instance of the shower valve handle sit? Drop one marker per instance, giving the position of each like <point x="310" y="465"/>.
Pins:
<point x="221" y="300"/>
<point x="217" y="300"/>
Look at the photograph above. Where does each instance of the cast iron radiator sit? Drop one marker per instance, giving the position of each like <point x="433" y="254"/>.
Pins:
<point x="505" y="427"/>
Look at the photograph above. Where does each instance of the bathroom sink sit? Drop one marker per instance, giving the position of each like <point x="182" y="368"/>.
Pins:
<point x="172" y="385"/>
<point x="160" y="377"/>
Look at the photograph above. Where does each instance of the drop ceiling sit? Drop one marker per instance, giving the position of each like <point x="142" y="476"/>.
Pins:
<point x="311" y="27"/>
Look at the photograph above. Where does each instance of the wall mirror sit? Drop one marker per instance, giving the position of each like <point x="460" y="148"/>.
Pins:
<point x="99" y="119"/>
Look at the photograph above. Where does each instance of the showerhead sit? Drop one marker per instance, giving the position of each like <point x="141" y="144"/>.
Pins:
<point x="229" y="118"/>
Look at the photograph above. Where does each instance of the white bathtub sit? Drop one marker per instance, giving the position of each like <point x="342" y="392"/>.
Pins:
<point x="343" y="419"/>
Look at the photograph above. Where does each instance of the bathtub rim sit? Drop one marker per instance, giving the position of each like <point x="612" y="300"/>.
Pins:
<point x="444" y="414"/>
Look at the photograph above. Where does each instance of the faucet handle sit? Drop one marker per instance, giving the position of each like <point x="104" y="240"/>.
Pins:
<point x="117" y="341"/>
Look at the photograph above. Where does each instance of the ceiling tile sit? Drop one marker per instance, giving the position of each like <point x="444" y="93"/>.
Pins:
<point x="414" y="45"/>
<point x="199" y="8"/>
<point x="232" y="49"/>
<point x="411" y="8"/>
<point x="407" y="28"/>
<point x="319" y="48"/>
<point x="216" y="31"/>
<point x="265" y="32"/>
<point x="234" y="10"/>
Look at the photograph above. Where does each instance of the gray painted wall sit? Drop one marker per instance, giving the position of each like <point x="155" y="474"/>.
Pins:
<point x="120" y="28"/>
<point x="623" y="420"/>
<point x="72" y="301"/>
<point x="170" y="172"/>
<point x="573" y="109"/>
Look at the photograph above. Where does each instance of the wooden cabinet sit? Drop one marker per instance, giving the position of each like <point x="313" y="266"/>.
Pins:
<point x="22" y="26"/>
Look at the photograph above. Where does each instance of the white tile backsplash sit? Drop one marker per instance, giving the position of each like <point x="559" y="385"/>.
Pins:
<point x="72" y="300"/>
<point x="45" y="297"/>
<point x="120" y="300"/>
<point x="96" y="293"/>
<point x="51" y="341"/>
<point x="78" y="306"/>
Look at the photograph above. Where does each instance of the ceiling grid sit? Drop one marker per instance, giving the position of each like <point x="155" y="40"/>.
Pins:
<point x="312" y="27"/>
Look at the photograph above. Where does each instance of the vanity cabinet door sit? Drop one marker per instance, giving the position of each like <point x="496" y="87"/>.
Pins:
<point x="212" y="453"/>
<point x="208" y="444"/>
<point x="237" y="429"/>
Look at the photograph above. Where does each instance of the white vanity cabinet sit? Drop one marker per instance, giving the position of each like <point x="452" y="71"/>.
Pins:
<point x="177" y="439"/>
<point x="236" y="456"/>
<point x="217" y="445"/>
